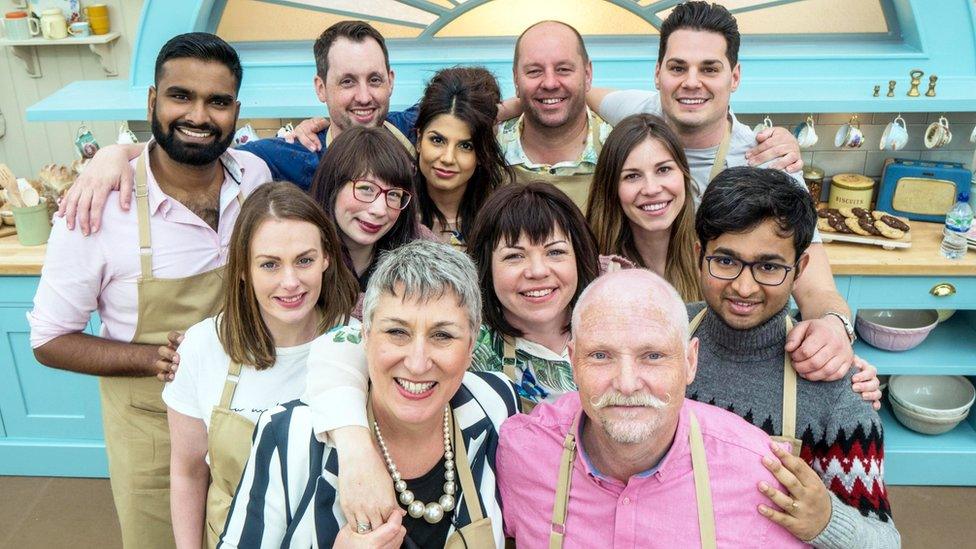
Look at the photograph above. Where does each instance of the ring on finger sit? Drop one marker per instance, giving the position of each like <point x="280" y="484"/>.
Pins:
<point x="794" y="505"/>
<point x="362" y="527"/>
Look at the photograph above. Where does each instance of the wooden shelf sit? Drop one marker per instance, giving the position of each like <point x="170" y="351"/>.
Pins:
<point x="949" y="350"/>
<point x="100" y="45"/>
<point x="915" y="459"/>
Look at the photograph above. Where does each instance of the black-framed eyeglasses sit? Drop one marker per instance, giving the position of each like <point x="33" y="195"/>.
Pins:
<point x="365" y="190"/>
<point x="766" y="273"/>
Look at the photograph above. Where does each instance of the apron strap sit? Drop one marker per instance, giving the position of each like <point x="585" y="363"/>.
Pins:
<point x="703" y="490"/>
<point x="696" y="322"/>
<point x="595" y="137"/>
<point x="508" y="357"/>
<point x="142" y="216"/>
<point x="471" y="499"/>
<point x="560" y="506"/>
<point x="723" y="151"/>
<point x="400" y="137"/>
<point x="230" y="384"/>
<point x="789" y="391"/>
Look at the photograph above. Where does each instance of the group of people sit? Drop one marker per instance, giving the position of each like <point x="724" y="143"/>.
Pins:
<point x="558" y="318"/>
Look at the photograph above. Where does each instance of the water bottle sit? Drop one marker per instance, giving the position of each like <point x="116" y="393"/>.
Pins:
<point x="957" y="223"/>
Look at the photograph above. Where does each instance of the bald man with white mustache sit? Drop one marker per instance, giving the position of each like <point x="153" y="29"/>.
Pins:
<point x="628" y="460"/>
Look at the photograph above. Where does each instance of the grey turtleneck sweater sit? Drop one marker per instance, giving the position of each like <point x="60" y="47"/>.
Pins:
<point x="742" y="371"/>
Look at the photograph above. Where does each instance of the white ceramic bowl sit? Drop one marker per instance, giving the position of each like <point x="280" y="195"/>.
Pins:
<point x="933" y="396"/>
<point x="897" y="329"/>
<point x="923" y="424"/>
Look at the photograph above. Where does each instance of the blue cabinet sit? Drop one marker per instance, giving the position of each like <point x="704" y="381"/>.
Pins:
<point x="50" y="420"/>
<point x="912" y="458"/>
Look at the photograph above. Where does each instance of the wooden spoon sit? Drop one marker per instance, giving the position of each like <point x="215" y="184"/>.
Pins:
<point x="9" y="183"/>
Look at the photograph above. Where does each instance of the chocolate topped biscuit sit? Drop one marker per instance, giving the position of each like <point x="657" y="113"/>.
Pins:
<point x="895" y="223"/>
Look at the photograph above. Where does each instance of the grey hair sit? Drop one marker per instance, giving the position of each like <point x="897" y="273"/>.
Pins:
<point x="663" y="294"/>
<point x="426" y="270"/>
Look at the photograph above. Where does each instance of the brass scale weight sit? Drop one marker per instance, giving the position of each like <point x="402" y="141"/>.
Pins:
<point x="916" y="76"/>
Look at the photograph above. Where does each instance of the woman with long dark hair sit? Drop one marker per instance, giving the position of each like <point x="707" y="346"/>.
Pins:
<point x="457" y="154"/>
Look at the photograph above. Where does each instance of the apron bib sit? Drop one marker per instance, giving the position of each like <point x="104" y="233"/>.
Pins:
<point x="576" y="186"/>
<point x="133" y="412"/>
<point x="789" y="390"/>
<point x="479" y="533"/>
<point x="229" y="446"/>
<point x="699" y="466"/>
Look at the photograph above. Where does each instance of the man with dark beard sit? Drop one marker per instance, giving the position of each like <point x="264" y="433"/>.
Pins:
<point x="153" y="269"/>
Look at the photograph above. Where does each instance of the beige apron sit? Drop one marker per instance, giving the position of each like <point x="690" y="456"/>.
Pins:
<point x="478" y="534"/>
<point x="699" y="466"/>
<point x="576" y="186"/>
<point x="228" y="446"/>
<point x="789" y="390"/>
<point x="329" y="137"/>
<point x="133" y="412"/>
<point x="723" y="150"/>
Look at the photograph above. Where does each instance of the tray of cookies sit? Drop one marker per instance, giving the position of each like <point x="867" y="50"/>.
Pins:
<point x="861" y="226"/>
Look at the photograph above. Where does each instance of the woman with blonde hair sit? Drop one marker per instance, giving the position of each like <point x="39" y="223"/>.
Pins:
<point x="640" y="205"/>
<point x="285" y="285"/>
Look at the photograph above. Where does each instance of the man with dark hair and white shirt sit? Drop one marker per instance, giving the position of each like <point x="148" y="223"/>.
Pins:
<point x="696" y="73"/>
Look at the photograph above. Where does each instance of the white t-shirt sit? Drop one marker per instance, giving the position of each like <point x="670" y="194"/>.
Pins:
<point x="203" y="370"/>
<point x="620" y="104"/>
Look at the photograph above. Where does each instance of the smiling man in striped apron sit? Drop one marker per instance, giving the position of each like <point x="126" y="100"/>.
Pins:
<point x="628" y="461"/>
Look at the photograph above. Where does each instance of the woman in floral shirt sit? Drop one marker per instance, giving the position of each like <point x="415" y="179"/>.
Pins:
<point x="534" y="254"/>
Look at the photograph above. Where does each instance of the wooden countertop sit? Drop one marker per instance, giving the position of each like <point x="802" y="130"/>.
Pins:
<point x="923" y="258"/>
<point x="845" y="259"/>
<point x="20" y="260"/>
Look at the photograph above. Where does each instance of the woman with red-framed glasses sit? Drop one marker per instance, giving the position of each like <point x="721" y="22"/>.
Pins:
<point x="365" y="182"/>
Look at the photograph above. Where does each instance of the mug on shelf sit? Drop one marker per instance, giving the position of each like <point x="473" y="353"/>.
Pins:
<point x="806" y="133"/>
<point x="53" y="24"/>
<point x="79" y="29"/>
<point x="765" y="124"/>
<point x="97" y="15"/>
<point x="937" y="135"/>
<point x="849" y="135"/>
<point x="17" y="25"/>
<point x="895" y="135"/>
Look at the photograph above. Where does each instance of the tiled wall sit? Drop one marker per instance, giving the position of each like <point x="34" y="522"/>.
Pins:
<point x="869" y="159"/>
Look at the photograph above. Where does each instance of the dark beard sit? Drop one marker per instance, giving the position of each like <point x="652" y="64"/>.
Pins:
<point x="191" y="154"/>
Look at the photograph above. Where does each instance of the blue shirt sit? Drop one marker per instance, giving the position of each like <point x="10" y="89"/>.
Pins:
<point x="293" y="162"/>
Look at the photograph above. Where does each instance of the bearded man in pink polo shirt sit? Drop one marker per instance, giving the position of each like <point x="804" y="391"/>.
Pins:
<point x="628" y="462"/>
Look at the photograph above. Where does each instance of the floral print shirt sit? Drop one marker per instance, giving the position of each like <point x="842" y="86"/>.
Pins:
<point x="540" y="374"/>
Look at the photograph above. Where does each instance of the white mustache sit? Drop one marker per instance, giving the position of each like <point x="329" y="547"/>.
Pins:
<point x="641" y="399"/>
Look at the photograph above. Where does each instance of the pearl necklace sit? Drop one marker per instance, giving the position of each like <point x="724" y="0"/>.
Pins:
<point x="434" y="511"/>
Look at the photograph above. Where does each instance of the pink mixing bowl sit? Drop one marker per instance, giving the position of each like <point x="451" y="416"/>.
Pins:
<point x="897" y="329"/>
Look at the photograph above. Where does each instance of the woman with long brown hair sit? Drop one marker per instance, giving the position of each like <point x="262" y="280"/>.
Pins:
<point x="641" y="203"/>
<point x="285" y="285"/>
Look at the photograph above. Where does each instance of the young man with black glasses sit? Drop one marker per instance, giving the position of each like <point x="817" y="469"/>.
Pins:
<point x="754" y="227"/>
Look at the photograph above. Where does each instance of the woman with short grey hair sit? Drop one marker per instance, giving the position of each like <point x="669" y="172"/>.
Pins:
<point x="435" y="423"/>
<point x="425" y="269"/>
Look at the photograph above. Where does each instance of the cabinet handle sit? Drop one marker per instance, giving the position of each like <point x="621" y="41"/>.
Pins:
<point x="943" y="289"/>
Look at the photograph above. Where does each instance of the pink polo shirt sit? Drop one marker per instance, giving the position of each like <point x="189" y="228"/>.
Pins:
<point x="655" y="510"/>
<point x="99" y="272"/>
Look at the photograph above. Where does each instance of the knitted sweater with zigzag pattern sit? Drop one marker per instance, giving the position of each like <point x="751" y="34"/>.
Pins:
<point x="842" y="436"/>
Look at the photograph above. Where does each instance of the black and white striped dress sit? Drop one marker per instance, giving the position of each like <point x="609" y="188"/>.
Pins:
<point x="287" y="496"/>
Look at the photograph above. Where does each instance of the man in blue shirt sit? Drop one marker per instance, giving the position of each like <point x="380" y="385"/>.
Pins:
<point x="353" y="78"/>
